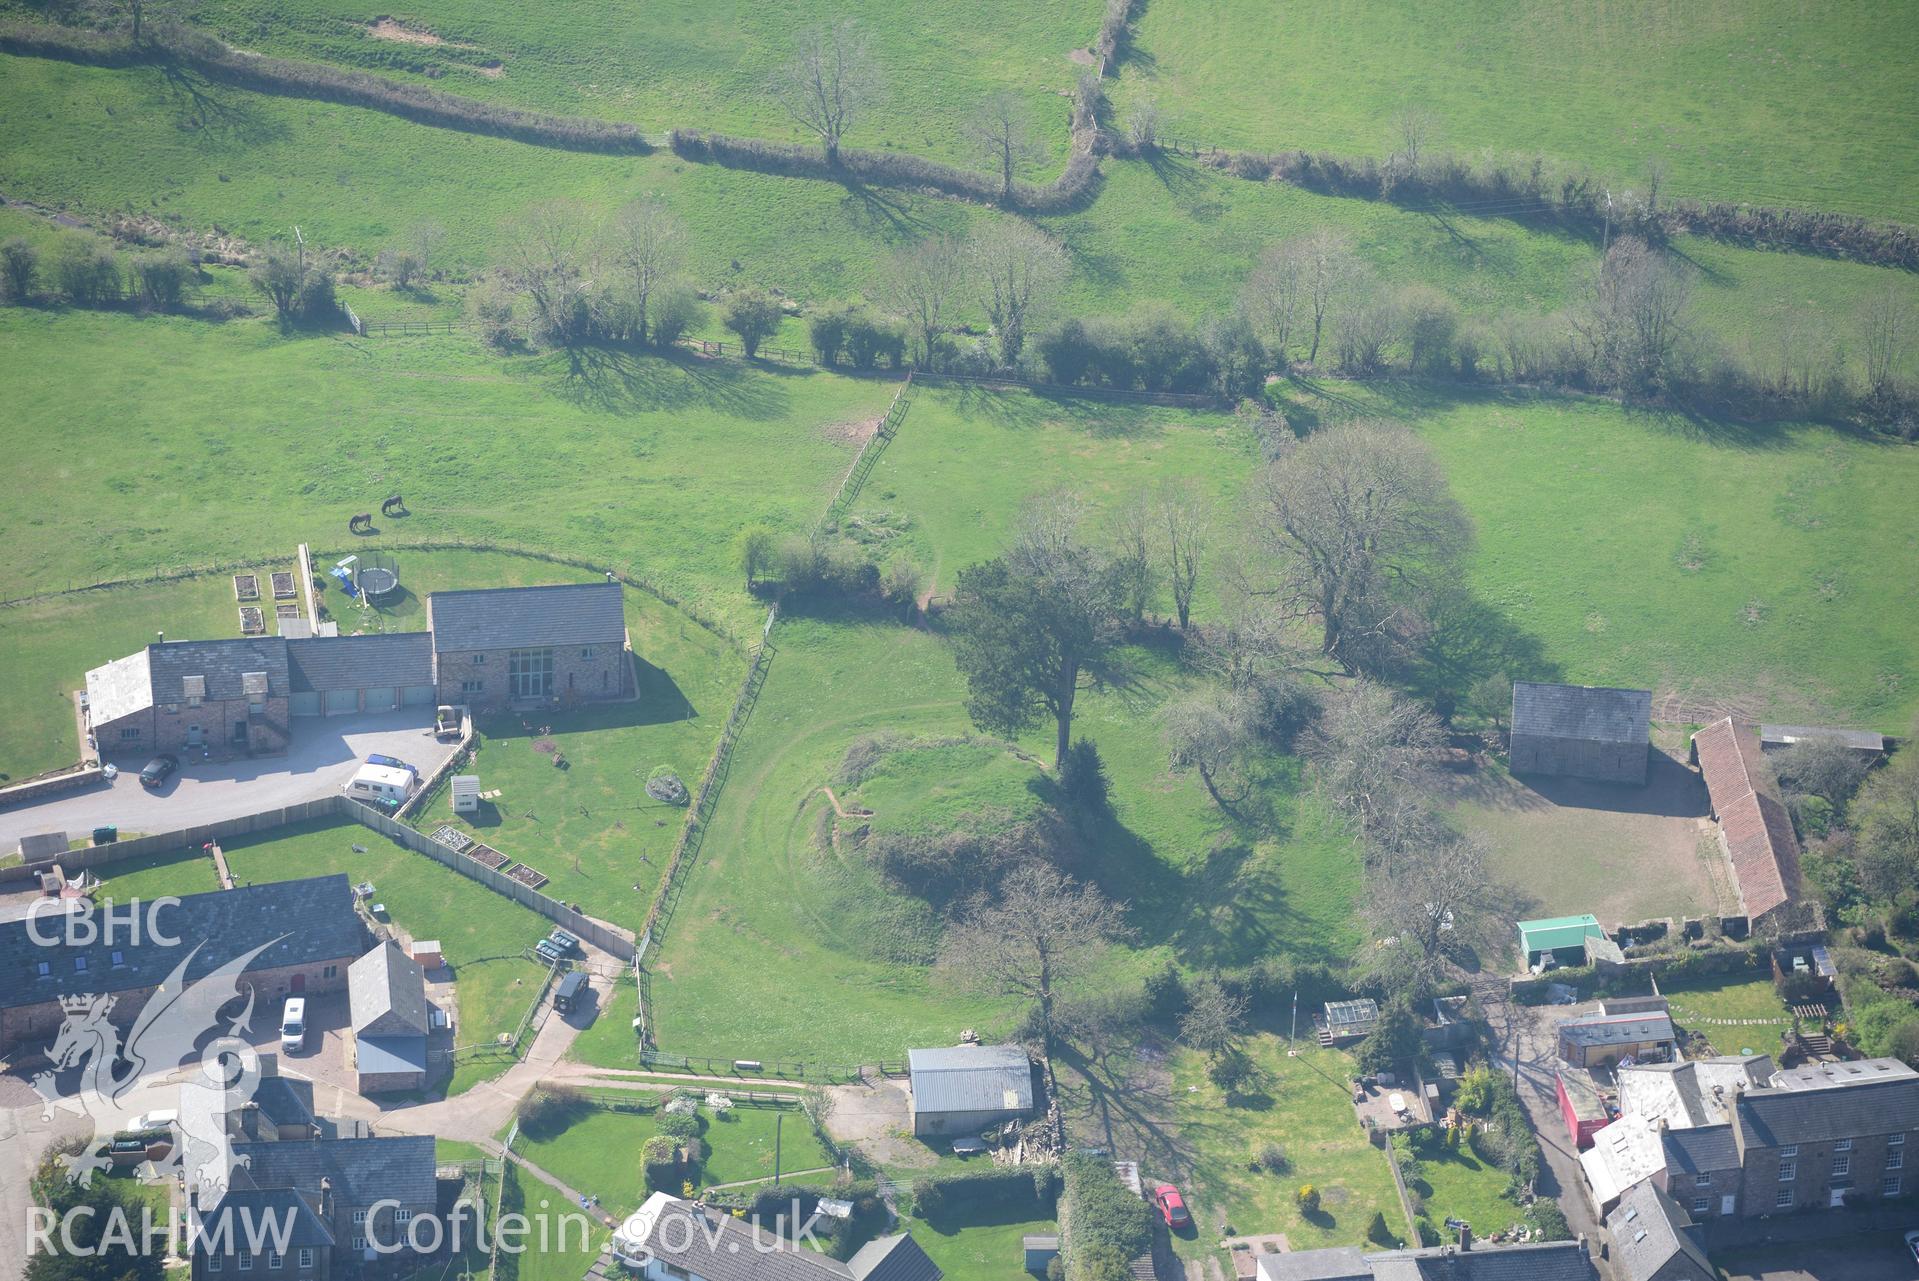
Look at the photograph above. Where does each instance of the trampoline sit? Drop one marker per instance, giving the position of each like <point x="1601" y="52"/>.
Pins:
<point x="378" y="582"/>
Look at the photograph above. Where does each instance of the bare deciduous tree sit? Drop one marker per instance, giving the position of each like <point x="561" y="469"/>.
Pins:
<point x="1143" y="125"/>
<point x="1374" y="751"/>
<point x="1414" y="128"/>
<point x="1211" y="733"/>
<point x="1636" y="315"/>
<point x="1213" y="1019"/>
<point x="427" y="237"/>
<point x="1359" y="524"/>
<point x="1324" y="268"/>
<point x="1186" y="516"/>
<point x="1885" y="325"/>
<point x="1001" y="130"/>
<point x="548" y="257"/>
<point x="923" y="279"/>
<point x="830" y="79"/>
<point x="1042" y="932"/>
<point x="1368" y="325"/>
<point x="1017" y="269"/>
<point x="645" y="241"/>
<point x="1272" y="296"/>
<point x="1133" y="524"/>
<point x="1430" y="914"/>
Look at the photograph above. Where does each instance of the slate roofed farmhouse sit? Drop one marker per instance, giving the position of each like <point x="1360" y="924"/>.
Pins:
<point x="1752" y="814"/>
<point x="668" y="1239"/>
<point x="960" y="1089"/>
<point x="1581" y="731"/>
<point x="506" y="645"/>
<point x="308" y="927"/>
<point x="1653" y="1238"/>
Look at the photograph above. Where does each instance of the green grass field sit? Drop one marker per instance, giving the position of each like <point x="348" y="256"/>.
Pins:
<point x="1735" y="1017"/>
<point x="1459" y="1183"/>
<point x="1734" y="99"/>
<point x="979" y="1247"/>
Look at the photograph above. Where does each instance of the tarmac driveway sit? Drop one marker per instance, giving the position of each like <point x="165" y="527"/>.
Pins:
<point x="324" y="754"/>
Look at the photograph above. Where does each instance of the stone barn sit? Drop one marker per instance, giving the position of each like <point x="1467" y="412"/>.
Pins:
<point x="502" y="646"/>
<point x="226" y="696"/>
<point x="1581" y="731"/>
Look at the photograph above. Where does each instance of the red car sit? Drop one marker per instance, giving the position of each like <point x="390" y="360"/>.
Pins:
<point x="1171" y="1205"/>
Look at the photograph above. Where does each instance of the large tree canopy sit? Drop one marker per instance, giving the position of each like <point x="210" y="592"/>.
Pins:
<point x="1033" y="627"/>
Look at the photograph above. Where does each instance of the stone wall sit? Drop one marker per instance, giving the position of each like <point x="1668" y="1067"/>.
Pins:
<point x="584" y="672"/>
<point x="1579" y="758"/>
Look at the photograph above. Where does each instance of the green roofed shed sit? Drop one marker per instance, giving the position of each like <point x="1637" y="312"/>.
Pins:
<point x="1551" y="934"/>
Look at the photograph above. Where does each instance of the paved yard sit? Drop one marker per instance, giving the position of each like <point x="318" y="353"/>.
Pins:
<point x="1875" y="1257"/>
<point x="323" y="757"/>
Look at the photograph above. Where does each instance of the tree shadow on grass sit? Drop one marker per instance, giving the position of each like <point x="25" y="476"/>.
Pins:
<point x="226" y="116"/>
<point x="1471" y="639"/>
<point x="614" y="380"/>
<point x="1028" y="409"/>
<point x="1107" y="1092"/>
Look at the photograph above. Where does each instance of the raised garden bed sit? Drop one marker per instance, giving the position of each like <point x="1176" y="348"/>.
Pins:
<point x="453" y="838"/>
<point x="526" y="876"/>
<point x="252" y="621"/>
<point x="282" y="584"/>
<point x="246" y="587"/>
<point x="286" y="611"/>
<point x="487" y="856"/>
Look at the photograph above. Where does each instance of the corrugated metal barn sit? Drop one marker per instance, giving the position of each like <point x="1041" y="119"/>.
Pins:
<point x="962" y="1089"/>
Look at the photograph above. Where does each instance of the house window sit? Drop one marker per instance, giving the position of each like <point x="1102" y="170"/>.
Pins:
<point x="126" y="734"/>
<point x="1895" y="1160"/>
<point x="479" y="659"/>
<point x="79" y="965"/>
<point x="402" y="1216"/>
<point x="119" y="959"/>
<point x="306" y="1257"/>
<point x="473" y="687"/>
<point x="216" y="1263"/>
<point x="359" y="1243"/>
<point x="359" y="1217"/>
<point x="1841" y="1165"/>
<point x="1791" y="1149"/>
<point x="246" y="1263"/>
<point x="1788" y="1171"/>
<point x="529" y="673"/>
<point x="587" y="652"/>
<point x="330" y="972"/>
<point x="1843" y="1145"/>
<point x="1895" y="1140"/>
<point x="275" y="1262"/>
<point x="45" y="969"/>
<point x="1701" y="1204"/>
<point x="1890" y="1187"/>
<point x="1704" y="1178"/>
<point x="1784" y="1199"/>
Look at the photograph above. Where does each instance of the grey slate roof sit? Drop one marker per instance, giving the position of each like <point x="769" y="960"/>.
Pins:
<point x="894" y="1258"/>
<point x="527" y="617"/>
<point x="1820" y="1076"/>
<point x="1769" y="1118"/>
<point x="244" y="1215"/>
<point x="385" y="1055"/>
<point x="386" y="994"/>
<point x="321" y="663"/>
<point x="1648" y="1230"/>
<point x="1704" y="1149"/>
<point x="363" y="1171"/>
<point x="1618" y="1029"/>
<point x="222" y="662"/>
<point x="971" y="1078"/>
<point x="307" y="921"/>
<point x="1537" y="1261"/>
<point x="1859" y="740"/>
<point x="1598" y="713"/>
<point x="719" y="1247"/>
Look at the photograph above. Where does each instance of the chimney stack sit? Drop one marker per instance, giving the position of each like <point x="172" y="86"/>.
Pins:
<point x="1465" y="1237"/>
<point x="163" y="638"/>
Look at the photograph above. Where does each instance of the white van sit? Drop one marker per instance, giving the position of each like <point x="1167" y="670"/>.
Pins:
<point x="293" y="1025"/>
<point x="380" y="784"/>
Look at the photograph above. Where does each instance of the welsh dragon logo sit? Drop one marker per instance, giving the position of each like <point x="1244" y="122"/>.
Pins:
<point x="119" y="1082"/>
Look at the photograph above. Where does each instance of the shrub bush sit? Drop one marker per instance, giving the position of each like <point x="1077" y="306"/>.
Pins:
<point x="1026" y="1189"/>
<point x="659" y="1161"/>
<point x="754" y="316"/>
<point x="1099" y="1216"/>
<point x="1307" y="1198"/>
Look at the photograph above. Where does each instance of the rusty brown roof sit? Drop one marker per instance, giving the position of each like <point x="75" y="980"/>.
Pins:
<point x="1752" y="815"/>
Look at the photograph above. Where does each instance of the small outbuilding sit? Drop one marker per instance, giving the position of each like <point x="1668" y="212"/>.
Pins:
<point x="390" y="1020"/>
<point x="1344" y="1022"/>
<point x="466" y="793"/>
<point x="1590" y="732"/>
<point x="1580" y="1104"/>
<point x="1561" y="937"/>
<point x="1608" y="1039"/>
<point x="962" y="1089"/>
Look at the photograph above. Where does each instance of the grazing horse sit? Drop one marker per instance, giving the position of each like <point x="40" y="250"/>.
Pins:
<point x="361" y="524"/>
<point x="394" y="506"/>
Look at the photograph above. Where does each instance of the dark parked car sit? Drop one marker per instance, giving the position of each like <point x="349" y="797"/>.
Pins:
<point x="159" y="770"/>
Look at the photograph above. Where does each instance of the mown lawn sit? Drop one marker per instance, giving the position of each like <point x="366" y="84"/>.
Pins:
<point x="166" y="875"/>
<point x="1735" y="1016"/>
<point x="1732" y="99"/>
<point x="1458" y="1183"/>
<point x="481" y="934"/>
<point x="977" y="1247"/>
<point x="609" y="1040"/>
<point x="1304" y="1106"/>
